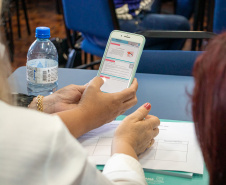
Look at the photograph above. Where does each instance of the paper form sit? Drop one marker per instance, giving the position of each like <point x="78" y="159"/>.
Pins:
<point x="175" y="147"/>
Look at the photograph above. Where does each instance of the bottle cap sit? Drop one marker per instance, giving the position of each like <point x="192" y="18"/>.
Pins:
<point x="42" y="32"/>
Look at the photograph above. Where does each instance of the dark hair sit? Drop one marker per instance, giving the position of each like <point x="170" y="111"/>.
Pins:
<point x="209" y="107"/>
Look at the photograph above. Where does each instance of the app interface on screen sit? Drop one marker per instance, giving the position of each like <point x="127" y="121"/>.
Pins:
<point x="118" y="65"/>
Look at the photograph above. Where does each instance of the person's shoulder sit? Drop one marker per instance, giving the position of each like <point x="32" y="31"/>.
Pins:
<point x="34" y="141"/>
<point x="28" y="121"/>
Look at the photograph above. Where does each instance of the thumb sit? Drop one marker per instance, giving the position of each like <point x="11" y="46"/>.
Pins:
<point x="81" y="89"/>
<point x="151" y="143"/>
<point x="141" y="112"/>
<point x="97" y="82"/>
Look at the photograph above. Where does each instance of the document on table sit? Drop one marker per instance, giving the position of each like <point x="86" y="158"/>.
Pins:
<point x="175" y="148"/>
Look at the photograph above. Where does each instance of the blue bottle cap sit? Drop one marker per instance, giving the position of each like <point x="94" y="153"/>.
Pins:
<point x="42" y="32"/>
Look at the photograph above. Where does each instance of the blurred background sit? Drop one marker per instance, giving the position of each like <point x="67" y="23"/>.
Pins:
<point x="21" y="17"/>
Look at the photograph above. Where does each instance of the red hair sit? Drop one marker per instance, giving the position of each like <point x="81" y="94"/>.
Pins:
<point x="209" y="107"/>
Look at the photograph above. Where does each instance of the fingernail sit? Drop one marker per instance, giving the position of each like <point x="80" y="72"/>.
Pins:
<point x="147" y="106"/>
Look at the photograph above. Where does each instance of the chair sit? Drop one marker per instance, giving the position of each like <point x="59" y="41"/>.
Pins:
<point x="219" y="24"/>
<point x="95" y="29"/>
<point x="168" y="62"/>
<point x="98" y="27"/>
<point x="215" y="14"/>
<point x="25" y="16"/>
<point x="99" y="18"/>
<point x="184" y="7"/>
<point x="6" y="20"/>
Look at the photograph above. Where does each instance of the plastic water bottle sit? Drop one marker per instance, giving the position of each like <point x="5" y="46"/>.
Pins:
<point x="42" y="64"/>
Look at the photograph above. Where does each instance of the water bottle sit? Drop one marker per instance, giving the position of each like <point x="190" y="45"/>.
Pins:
<point x="42" y="64"/>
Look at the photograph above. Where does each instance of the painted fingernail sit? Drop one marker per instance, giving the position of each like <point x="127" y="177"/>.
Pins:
<point x="147" y="106"/>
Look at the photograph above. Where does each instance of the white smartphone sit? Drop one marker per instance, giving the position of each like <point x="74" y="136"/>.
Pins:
<point x="120" y="60"/>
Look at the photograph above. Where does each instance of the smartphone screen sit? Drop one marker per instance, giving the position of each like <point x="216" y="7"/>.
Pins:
<point x="118" y="64"/>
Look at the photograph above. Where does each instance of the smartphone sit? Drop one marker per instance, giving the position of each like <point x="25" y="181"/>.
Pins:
<point x="120" y="60"/>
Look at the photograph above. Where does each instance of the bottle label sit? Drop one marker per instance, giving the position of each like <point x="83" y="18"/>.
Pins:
<point x="42" y="71"/>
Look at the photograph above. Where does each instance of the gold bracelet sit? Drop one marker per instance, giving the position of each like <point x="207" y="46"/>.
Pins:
<point x="39" y="103"/>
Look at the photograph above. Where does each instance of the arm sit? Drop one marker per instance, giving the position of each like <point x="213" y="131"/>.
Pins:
<point x="65" y="152"/>
<point x="97" y="108"/>
<point x="133" y="136"/>
<point x="66" y="98"/>
<point x="136" y="132"/>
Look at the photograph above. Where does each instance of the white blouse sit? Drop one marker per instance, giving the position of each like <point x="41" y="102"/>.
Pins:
<point x="37" y="148"/>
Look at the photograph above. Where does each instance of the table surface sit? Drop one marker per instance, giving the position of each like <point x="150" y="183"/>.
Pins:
<point x="167" y="94"/>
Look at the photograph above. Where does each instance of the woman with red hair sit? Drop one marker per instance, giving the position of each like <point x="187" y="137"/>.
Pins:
<point x="209" y="107"/>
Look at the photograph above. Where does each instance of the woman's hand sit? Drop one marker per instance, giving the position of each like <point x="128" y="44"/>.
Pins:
<point x="136" y="132"/>
<point x="64" y="99"/>
<point x="103" y="107"/>
<point x="97" y="108"/>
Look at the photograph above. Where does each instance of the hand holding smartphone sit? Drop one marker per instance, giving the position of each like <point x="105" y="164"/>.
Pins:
<point x="120" y="60"/>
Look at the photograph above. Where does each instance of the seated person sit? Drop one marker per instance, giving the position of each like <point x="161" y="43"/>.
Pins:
<point x="141" y="15"/>
<point x="209" y="107"/>
<point x="137" y="15"/>
<point x="39" y="148"/>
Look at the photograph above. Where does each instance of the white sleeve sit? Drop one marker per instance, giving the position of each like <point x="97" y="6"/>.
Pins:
<point x="37" y="148"/>
<point x="68" y="164"/>
<point x="124" y="169"/>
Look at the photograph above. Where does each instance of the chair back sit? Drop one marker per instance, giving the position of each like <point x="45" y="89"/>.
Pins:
<point x="91" y="17"/>
<point x="219" y="23"/>
<point x="185" y="8"/>
<point x="167" y="62"/>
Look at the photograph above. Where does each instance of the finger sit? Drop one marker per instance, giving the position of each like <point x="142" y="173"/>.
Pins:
<point x="134" y="84"/>
<point x="128" y="93"/>
<point x="125" y="95"/>
<point x="151" y="143"/>
<point x="153" y="121"/>
<point x="97" y="82"/>
<point x="148" y="116"/>
<point x="122" y="112"/>
<point x="155" y="132"/>
<point x="81" y="89"/>
<point x="86" y="84"/>
<point x="130" y="103"/>
<point x="133" y="96"/>
<point x="141" y="112"/>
